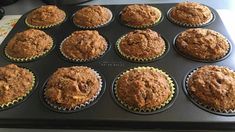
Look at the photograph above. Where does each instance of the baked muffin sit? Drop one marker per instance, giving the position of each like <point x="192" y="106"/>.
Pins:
<point x="92" y="16"/>
<point x="140" y="16"/>
<point x="83" y="45"/>
<point x="141" y="45"/>
<point x="213" y="86"/>
<point x="15" y="84"/>
<point x="144" y="88"/>
<point x="45" y="16"/>
<point x="202" y="44"/>
<point x="190" y="14"/>
<point x="28" y="45"/>
<point x="71" y="87"/>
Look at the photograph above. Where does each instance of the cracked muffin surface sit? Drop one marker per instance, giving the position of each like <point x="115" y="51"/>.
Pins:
<point x="191" y="13"/>
<point x="15" y="82"/>
<point x="29" y="43"/>
<point x="140" y="15"/>
<point x="205" y="44"/>
<point x="143" y="88"/>
<point x="69" y="87"/>
<point x="142" y="44"/>
<point x="92" y="16"/>
<point x="46" y="16"/>
<point x="84" y="45"/>
<point x="214" y="86"/>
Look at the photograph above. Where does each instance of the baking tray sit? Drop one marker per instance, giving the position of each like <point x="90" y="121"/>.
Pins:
<point x="105" y="113"/>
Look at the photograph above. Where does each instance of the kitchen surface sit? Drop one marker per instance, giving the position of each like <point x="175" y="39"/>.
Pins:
<point x="192" y="114"/>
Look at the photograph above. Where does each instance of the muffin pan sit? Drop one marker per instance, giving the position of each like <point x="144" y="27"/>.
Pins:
<point x="105" y="113"/>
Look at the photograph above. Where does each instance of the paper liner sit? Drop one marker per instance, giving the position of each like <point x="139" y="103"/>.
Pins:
<point x="29" y="58"/>
<point x="199" y="103"/>
<point x="21" y="98"/>
<point x="137" y="59"/>
<point x="147" y="110"/>
<point x="56" y="106"/>
<point x="81" y="60"/>
<point x="225" y="55"/>
<point x="188" y="24"/>
<point x="44" y="27"/>
<point x="146" y="25"/>
<point x="98" y="26"/>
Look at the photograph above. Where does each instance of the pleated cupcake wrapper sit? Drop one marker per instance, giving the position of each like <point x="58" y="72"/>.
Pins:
<point x="146" y="25"/>
<point x="44" y="27"/>
<point x="187" y="24"/>
<point x="136" y="58"/>
<point x="2" y="106"/>
<point x="207" y="60"/>
<point x="78" y="107"/>
<point x="135" y="109"/>
<point x="80" y="60"/>
<point x="202" y="104"/>
<point x="29" y="58"/>
<point x="98" y="26"/>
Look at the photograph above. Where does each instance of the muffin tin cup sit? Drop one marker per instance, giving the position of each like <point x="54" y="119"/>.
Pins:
<point x="141" y="60"/>
<point x="208" y="22"/>
<point x="201" y="105"/>
<point x="167" y="104"/>
<point x="82" y="60"/>
<point x="56" y="108"/>
<point x="202" y="60"/>
<point x="30" y="58"/>
<point x="22" y="98"/>
<point x="95" y="27"/>
<point x="44" y="27"/>
<point x="146" y="25"/>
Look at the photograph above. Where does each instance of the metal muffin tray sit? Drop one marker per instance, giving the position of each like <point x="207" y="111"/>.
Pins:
<point x="106" y="113"/>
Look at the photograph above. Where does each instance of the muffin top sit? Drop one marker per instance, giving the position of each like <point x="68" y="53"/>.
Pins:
<point x="191" y="13"/>
<point x="214" y="86"/>
<point x="142" y="44"/>
<point x="140" y="15"/>
<point x="46" y="16"/>
<point x="84" y="45"/>
<point x="69" y="87"/>
<point x="92" y="16"/>
<point x="143" y="88"/>
<point x="202" y="44"/>
<point x="29" y="43"/>
<point x="15" y="82"/>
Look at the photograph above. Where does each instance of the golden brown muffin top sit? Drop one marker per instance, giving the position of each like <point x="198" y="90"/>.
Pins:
<point x="202" y="43"/>
<point x="214" y="86"/>
<point x="191" y="13"/>
<point x="45" y="16"/>
<point x="92" y="16"/>
<point x="72" y="86"/>
<point x="143" y="88"/>
<point x="15" y="82"/>
<point x="140" y="15"/>
<point x="29" y="43"/>
<point x="84" y="45"/>
<point x="142" y="44"/>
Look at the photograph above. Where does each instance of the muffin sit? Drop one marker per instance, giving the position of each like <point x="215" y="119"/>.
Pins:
<point x="213" y="86"/>
<point x="140" y="16"/>
<point x="144" y="89"/>
<point x="190" y="14"/>
<point x="15" y="84"/>
<point x="71" y="88"/>
<point x="28" y="45"/>
<point x="45" y="16"/>
<point x="84" y="45"/>
<point x="141" y="45"/>
<point x="92" y="16"/>
<point x="202" y="44"/>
